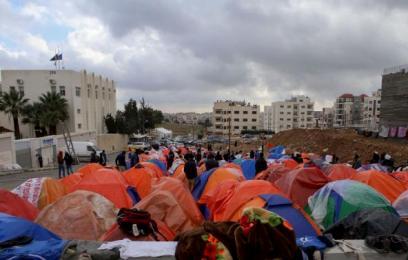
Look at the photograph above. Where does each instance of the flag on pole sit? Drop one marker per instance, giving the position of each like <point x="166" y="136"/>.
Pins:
<point x="56" y="57"/>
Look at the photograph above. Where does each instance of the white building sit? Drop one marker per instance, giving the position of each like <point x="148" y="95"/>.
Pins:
<point x="90" y="97"/>
<point x="296" y="112"/>
<point x="237" y="115"/>
<point x="371" y="112"/>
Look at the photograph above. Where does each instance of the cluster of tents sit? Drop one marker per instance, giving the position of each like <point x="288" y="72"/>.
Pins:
<point x="312" y="197"/>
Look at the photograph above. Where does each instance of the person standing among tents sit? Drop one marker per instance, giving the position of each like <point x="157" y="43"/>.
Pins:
<point x="356" y="161"/>
<point x="376" y="158"/>
<point x="251" y="154"/>
<point x="218" y="156"/>
<point x="93" y="157"/>
<point x="68" y="163"/>
<point x="190" y="169"/>
<point x="134" y="159"/>
<point x="102" y="158"/>
<point x="121" y="161"/>
<point x="61" y="167"/>
<point x="260" y="164"/>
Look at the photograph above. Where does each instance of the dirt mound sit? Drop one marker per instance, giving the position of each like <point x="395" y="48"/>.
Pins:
<point x="342" y="142"/>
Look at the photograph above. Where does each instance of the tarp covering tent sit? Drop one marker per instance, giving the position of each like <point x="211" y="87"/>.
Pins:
<point x="163" y="206"/>
<point x="208" y="180"/>
<point x="373" y="166"/>
<point x="368" y="222"/>
<point x="338" y="172"/>
<point x="157" y="171"/>
<point x="401" y="204"/>
<point x="182" y="195"/>
<point x="338" y="199"/>
<point x="273" y="173"/>
<point x="276" y="152"/>
<point x="248" y="168"/>
<point x="45" y="245"/>
<point x="13" y="205"/>
<point x="40" y="191"/>
<point x="402" y="177"/>
<point x="140" y="177"/>
<point x="82" y="215"/>
<point x="384" y="183"/>
<point x="71" y="180"/>
<point x="227" y="200"/>
<point x="301" y="183"/>
<point x="161" y="164"/>
<point x="110" y="184"/>
<point x="89" y="168"/>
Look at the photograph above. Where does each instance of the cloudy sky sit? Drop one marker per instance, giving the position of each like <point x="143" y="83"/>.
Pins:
<point x="181" y="55"/>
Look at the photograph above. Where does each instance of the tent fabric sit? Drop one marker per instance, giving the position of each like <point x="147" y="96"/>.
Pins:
<point x="373" y="166"/>
<point x="40" y="191"/>
<point x="162" y="205"/>
<point x="248" y="169"/>
<point x="44" y="244"/>
<point x="13" y="205"/>
<point x="182" y="195"/>
<point x="159" y="164"/>
<point x="141" y="178"/>
<point x="82" y="215"/>
<point x="110" y="184"/>
<point x="401" y="204"/>
<point x="338" y="199"/>
<point x="69" y="181"/>
<point x="390" y="187"/>
<point x="301" y="183"/>
<point x="157" y="171"/>
<point x="89" y="168"/>
<point x="272" y="173"/>
<point x="302" y="224"/>
<point x="276" y="152"/>
<point x="338" y="172"/>
<point x="402" y="177"/>
<point x="368" y="222"/>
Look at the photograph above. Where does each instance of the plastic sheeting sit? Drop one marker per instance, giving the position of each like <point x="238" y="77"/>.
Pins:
<point x="401" y="204"/>
<point x="80" y="215"/>
<point x="338" y="172"/>
<point x="108" y="183"/>
<point x="89" y="168"/>
<point x="299" y="184"/>
<point x="273" y="173"/>
<point x="384" y="183"/>
<point x="338" y="199"/>
<point x="13" y="205"/>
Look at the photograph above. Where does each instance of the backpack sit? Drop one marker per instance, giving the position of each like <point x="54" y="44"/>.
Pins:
<point x="137" y="222"/>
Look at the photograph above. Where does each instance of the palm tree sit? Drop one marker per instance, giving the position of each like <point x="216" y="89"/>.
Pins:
<point x="54" y="110"/>
<point x="32" y="114"/>
<point x="13" y="103"/>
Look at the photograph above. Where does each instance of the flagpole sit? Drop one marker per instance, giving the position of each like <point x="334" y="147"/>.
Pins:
<point x="55" y="62"/>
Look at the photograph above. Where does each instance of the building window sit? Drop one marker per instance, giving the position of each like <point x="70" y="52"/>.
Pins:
<point x="53" y="89"/>
<point x="236" y="112"/>
<point x="53" y="72"/>
<point x="12" y="88"/>
<point x="254" y="112"/>
<point x="310" y="106"/>
<point x="288" y="113"/>
<point x="236" y="127"/>
<point x="281" y="112"/>
<point x="253" y="119"/>
<point x="245" y="127"/>
<point x="236" y="119"/>
<point x="281" y="106"/>
<point x="96" y="94"/>
<point x="79" y="111"/>
<point x="62" y="90"/>
<point x="302" y="106"/>
<point x="281" y="119"/>
<point x="289" y="107"/>
<point x="245" y="120"/>
<point x="21" y="90"/>
<point x="79" y="126"/>
<point x="229" y="112"/>
<point x="245" y="112"/>
<point x="78" y="91"/>
<point x="254" y="128"/>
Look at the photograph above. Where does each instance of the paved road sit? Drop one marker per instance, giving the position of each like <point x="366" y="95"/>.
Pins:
<point x="13" y="180"/>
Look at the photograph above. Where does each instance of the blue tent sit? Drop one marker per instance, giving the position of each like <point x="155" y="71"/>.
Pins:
<point x="248" y="169"/>
<point x="276" y="152"/>
<point x="44" y="243"/>
<point x="159" y="164"/>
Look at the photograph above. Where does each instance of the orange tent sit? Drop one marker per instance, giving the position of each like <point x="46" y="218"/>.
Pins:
<point x="141" y="178"/>
<point x="182" y="195"/>
<point x="385" y="184"/>
<point x="154" y="168"/>
<point x="338" y="172"/>
<point x="290" y="163"/>
<point x="89" y="168"/>
<point x="299" y="184"/>
<point x="273" y="173"/>
<point x="219" y="175"/>
<point x="51" y="191"/>
<point x="13" y="205"/>
<point x="109" y="183"/>
<point x="236" y="196"/>
<point x="80" y="215"/>
<point x="402" y="177"/>
<point x="71" y="180"/>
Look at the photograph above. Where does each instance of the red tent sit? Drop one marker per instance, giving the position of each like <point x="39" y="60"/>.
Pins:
<point x="301" y="183"/>
<point x="338" y="172"/>
<point x="12" y="204"/>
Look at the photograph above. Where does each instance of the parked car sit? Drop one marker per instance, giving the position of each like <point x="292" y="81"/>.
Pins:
<point x="138" y="145"/>
<point x="84" y="150"/>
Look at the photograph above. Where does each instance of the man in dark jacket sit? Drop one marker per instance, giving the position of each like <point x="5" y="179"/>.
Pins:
<point x="190" y="169"/>
<point x="102" y="158"/>
<point x="68" y="163"/>
<point x="260" y="164"/>
<point x="121" y="161"/>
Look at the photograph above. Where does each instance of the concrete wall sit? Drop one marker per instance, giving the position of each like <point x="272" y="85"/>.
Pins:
<point x="112" y="142"/>
<point x="7" y="149"/>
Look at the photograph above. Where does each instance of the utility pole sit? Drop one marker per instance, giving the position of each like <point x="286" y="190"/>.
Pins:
<point x="229" y="133"/>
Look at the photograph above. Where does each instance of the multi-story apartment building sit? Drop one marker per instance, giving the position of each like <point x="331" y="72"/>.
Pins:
<point x="394" y="97"/>
<point x="234" y="115"/>
<point x="327" y="117"/>
<point x="187" y="118"/>
<point x="348" y="111"/>
<point x="90" y="97"/>
<point x="296" y="112"/>
<point x="371" y="113"/>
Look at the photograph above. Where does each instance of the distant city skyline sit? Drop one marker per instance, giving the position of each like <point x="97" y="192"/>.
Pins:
<point x="181" y="56"/>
